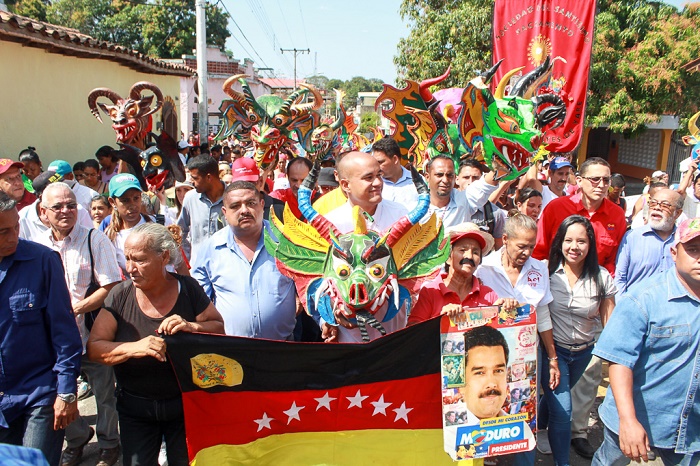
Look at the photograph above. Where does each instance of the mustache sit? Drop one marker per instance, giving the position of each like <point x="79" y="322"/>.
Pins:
<point x="467" y="260"/>
<point x="490" y="392"/>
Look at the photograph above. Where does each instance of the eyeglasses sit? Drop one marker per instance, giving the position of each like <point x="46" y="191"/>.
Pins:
<point x="60" y="207"/>
<point x="662" y="204"/>
<point x="598" y="179"/>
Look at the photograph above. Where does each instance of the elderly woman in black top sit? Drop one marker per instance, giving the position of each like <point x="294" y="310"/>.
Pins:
<point x="151" y="302"/>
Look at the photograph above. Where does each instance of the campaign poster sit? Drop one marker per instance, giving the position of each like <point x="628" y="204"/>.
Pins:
<point x="489" y="381"/>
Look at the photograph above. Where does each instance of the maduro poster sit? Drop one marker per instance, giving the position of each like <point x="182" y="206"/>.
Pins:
<point x="489" y="382"/>
<point x="526" y="32"/>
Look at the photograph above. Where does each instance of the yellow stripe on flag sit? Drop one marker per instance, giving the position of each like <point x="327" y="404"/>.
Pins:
<point x="344" y="448"/>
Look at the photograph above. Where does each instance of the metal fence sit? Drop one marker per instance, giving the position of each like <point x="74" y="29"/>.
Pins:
<point x="676" y="154"/>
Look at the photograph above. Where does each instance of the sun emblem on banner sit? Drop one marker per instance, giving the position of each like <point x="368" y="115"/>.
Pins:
<point x="540" y="48"/>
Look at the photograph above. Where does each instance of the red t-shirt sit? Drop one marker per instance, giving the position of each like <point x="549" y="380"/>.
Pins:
<point x="27" y="199"/>
<point x="435" y="295"/>
<point x="609" y="224"/>
<point x="286" y="195"/>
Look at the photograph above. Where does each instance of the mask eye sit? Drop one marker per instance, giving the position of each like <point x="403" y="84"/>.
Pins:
<point x="376" y="271"/>
<point x="132" y="111"/>
<point x="343" y="271"/>
<point x="156" y="161"/>
<point x="143" y="163"/>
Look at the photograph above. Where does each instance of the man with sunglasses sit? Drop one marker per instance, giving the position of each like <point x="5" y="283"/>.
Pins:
<point x="590" y="201"/>
<point x="647" y="250"/>
<point x="81" y="261"/>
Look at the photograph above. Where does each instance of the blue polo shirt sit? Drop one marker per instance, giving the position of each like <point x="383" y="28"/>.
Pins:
<point x="660" y="323"/>
<point x="40" y="346"/>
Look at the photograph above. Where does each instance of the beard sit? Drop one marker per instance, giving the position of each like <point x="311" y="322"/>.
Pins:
<point x="665" y="224"/>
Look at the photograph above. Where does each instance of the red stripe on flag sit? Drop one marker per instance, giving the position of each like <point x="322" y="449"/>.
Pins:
<point x="237" y="418"/>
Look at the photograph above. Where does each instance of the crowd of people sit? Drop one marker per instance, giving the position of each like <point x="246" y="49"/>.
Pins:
<point x="133" y="266"/>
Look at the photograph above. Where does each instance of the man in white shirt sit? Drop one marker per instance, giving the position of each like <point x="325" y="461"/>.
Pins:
<point x="449" y="204"/>
<point x="70" y="240"/>
<point x="361" y="180"/>
<point x="31" y="224"/>
<point x="398" y="183"/>
<point x="183" y="150"/>
<point x="558" y="175"/>
<point x="83" y="194"/>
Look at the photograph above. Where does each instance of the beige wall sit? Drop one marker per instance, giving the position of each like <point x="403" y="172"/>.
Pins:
<point x="43" y="102"/>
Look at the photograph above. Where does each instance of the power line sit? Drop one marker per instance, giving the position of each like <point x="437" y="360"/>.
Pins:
<point x="303" y="25"/>
<point x="244" y="36"/>
<point x="261" y="16"/>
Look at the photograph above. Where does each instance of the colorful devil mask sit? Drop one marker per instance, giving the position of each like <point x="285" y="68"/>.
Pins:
<point x="507" y="130"/>
<point x="131" y="116"/>
<point x="157" y="167"/>
<point x="269" y="121"/>
<point x="359" y="272"/>
<point x="325" y="140"/>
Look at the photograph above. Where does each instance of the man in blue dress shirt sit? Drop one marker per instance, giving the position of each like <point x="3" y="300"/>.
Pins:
<point x="40" y="345"/>
<point x="646" y="250"/>
<point x="238" y="274"/>
<point x="652" y="401"/>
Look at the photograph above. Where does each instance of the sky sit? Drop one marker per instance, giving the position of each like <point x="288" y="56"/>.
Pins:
<point x="345" y="38"/>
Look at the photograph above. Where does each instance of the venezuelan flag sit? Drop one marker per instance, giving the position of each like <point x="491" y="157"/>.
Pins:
<point x="257" y="402"/>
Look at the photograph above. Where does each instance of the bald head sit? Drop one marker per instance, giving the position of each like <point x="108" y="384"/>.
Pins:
<point x="353" y="160"/>
<point x="360" y="179"/>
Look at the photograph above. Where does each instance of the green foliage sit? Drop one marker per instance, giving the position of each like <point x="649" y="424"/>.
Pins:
<point x="164" y="28"/>
<point x="638" y="51"/>
<point x="31" y="8"/>
<point x="444" y="33"/>
<point x="351" y="87"/>
<point x="368" y="120"/>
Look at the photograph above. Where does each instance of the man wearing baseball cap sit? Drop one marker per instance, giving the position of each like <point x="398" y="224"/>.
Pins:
<point x="558" y="172"/>
<point x="83" y="194"/>
<point x="183" y="150"/>
<point x="458" y="288"/>
<point x="12" y="184"/>
<point x="651" y="405"/>
<point x="125" y="198"/>
<point x="245" y="169"/>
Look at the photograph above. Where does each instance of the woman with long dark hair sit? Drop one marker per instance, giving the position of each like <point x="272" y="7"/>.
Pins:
<point x="584" y="297"/>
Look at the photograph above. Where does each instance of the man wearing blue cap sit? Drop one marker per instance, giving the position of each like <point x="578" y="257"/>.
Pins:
<point x="83" y="194"/>
<point x="557" y="177"/>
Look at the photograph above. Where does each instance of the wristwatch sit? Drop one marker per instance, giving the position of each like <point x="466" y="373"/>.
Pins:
<point x="68" y="397"/>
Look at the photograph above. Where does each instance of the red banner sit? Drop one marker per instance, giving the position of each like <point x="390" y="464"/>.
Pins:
<point x="525" y="32"/>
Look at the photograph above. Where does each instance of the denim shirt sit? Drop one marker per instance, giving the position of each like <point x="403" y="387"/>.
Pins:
<point x="40" y="345"/>
<point x="655" y="331"/>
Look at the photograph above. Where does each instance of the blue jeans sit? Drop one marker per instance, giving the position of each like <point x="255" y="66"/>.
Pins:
<point x="35" y="429"/>
<point x="555" y="410"/>
<point x="609" y="454"/>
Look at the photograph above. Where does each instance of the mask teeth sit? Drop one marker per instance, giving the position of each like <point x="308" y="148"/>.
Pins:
<point x="395" y="288"/>
<point x="323" y="287"/>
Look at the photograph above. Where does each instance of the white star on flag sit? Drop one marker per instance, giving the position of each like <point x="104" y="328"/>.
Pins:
<point x="264" y="422"/>
<point x="380" y="406"/>
<point x="324" y="402"/>
<point x="356" y="400"/>
<point x="402" y="412"/>
<point x="293" y="412"/>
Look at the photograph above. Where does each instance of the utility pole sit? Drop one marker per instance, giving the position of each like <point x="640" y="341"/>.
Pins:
<point x="296" y="52"/>
<point x="203" y="104"/>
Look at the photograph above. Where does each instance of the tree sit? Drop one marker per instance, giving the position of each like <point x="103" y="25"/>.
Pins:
<point x="444" y="33"/>
<point x="368" y="120"/>
<point x="164" y="28"/>
<point x="638" y="51"/>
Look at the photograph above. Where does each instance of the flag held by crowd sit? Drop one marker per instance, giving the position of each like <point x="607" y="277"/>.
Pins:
<point x="250" y="401"/>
